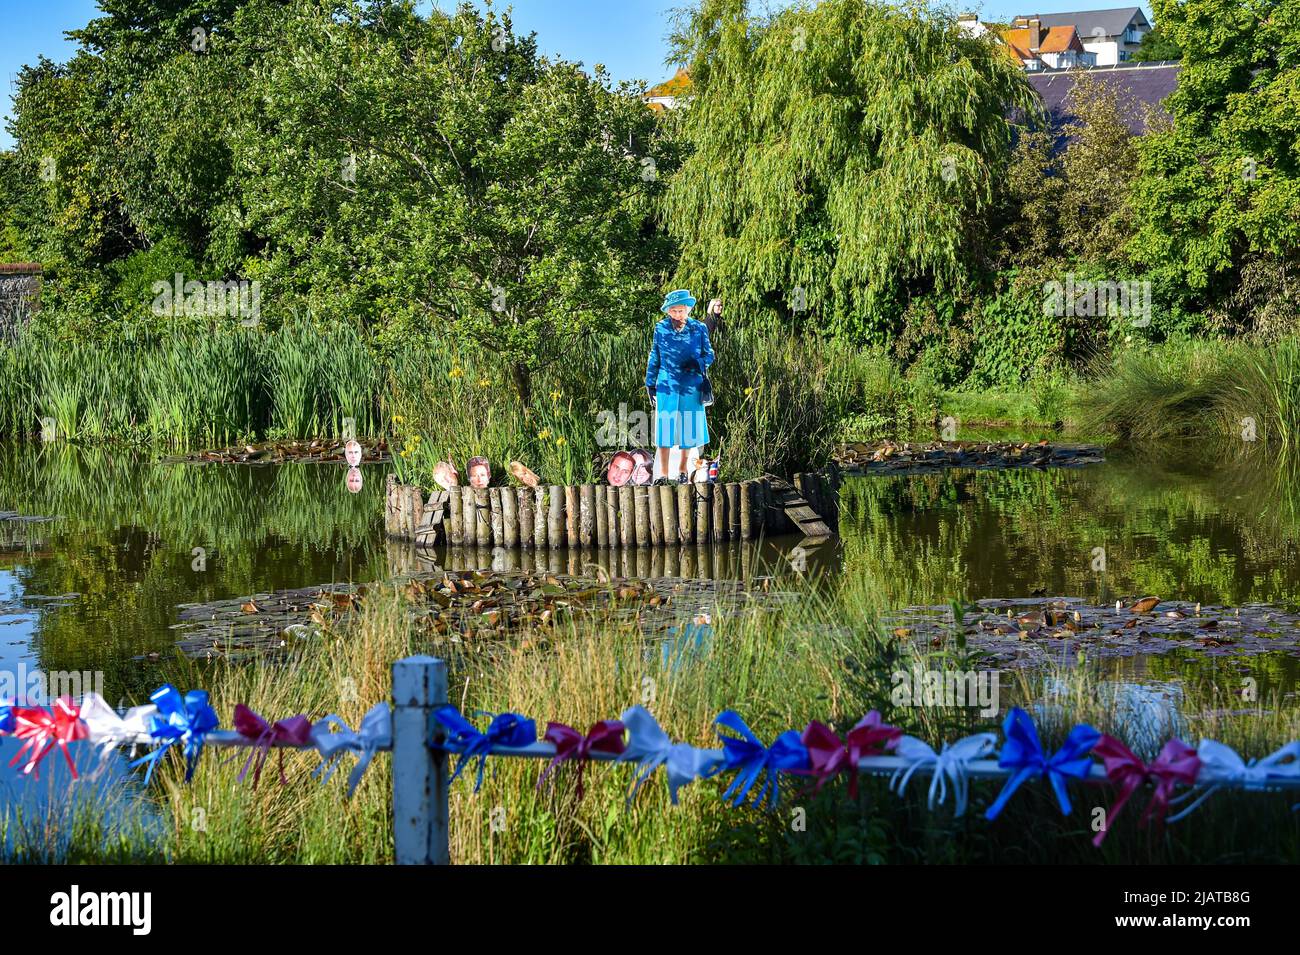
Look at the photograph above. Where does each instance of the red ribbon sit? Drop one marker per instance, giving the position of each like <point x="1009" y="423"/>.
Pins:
<point x="605" y="737"/>
<point x="1177" y="763"/>
<point x="828" y="756"/>
<point x="294" y="731"/>
<point x="44" y="729"/>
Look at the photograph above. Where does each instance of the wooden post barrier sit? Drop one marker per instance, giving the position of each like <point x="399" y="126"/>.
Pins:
<point x="420" y="783"/>
<point x="586" y="516"/>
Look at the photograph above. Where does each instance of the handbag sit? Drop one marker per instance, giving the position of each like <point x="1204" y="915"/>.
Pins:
<point x="706" y="392"/>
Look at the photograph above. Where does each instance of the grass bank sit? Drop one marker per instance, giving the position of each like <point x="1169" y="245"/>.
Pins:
<point x="1237" y="394"/>
<point x="821" y="658"/>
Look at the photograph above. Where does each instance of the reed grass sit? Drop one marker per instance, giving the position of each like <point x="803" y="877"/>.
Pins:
<point x="820" y="658"/>
<point x="1233" y="394"/>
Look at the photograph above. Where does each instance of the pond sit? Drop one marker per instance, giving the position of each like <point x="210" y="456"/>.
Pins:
<point x="97" y="590"/>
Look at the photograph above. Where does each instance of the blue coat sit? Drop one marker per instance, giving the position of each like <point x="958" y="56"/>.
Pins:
<point x="671" y="352"/>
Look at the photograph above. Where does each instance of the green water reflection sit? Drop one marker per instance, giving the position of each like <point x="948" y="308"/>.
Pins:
<point x="125" y="546"/>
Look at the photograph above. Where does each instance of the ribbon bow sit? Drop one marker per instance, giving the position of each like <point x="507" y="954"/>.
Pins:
<point x="605" y="737"/>
<point x="649" y="746"/>
<point x="333" y="737"/>
<point x="186" y="720"/>
<point x="505" y="729"/>
<point x="752" y="758"/>
<point x="43" y="729"/>
<point x="1221" y="765"/>
<point x="1177" y="763"/>
<point x="294" y="731"/>
<point x="827" y="756"/>
<point x="1024" y="753"/>
<point x="106" y="729"/>
<point x="949" y="764"/>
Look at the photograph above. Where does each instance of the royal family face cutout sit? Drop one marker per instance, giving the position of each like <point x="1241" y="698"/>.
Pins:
<point x="620" y="469"/>
<point x="444" y="472"/>
<point x="480" y="474"/>
<point x="642" y="472"/>
<point x="354" y="480"/>
<point x="352" y="452"/>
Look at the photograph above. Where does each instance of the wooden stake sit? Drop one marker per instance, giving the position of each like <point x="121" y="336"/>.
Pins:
<point x="555" y="519"/>
<point x="626" y="517"/>
<point x="602" y="516"/>
<point x="641" y="512"/>
<point x="611" y="516"/>
<point x="668" y="512"/>
<point x="510" y="517"/>
<point x="703" y="511"/>
<point x="719" y="529"/>
<point x="686" y="513"/>
<point x="571" y="515"/>
<point x="540" y="517"/>
<point x="498" y="530"/>
<point x="747" y="510"/>
<point x="482" y="518"/>
<point x="455" y="517"/>
<point x="656" y="516"/>
<point x="587" y="515"/>
<point x="733" y="511"/>
<point x="525" y="495"/>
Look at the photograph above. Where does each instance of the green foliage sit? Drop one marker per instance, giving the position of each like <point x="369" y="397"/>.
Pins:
<point x="1157" y="45"/>
<point x="1016" y="338"/>
<point x="1232" y="395"/>
<point x="439" y="170"/>
<point x="858" y="143"/>
<point x="1218" y="195"/>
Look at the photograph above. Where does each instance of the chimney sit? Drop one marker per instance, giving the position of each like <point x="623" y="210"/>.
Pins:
<point x="1035" y="34"/>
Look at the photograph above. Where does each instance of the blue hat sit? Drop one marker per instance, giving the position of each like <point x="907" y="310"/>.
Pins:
<point x="680" y="297"/>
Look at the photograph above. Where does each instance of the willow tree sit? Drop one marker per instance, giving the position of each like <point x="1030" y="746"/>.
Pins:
<point x="437" y="174"/>
<point x="843" y="156"/>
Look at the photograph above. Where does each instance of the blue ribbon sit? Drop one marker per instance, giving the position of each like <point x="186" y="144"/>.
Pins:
<point x="1024" y="753"/>
<point x="506" y="729"/>
<point x="6" y="719"/>
<point x="179" y="719"/>
<point x="752" y="759"/>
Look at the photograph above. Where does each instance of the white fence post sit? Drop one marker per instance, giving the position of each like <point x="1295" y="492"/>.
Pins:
<point x="419" y="771"/>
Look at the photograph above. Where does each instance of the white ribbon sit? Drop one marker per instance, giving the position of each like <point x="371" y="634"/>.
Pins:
<point x="332" y="738"/>
<point x="1221" y="766"/>
<point x="649" y="746"/>
<point x="949" y="764"/>
<point x="106" y="729"/>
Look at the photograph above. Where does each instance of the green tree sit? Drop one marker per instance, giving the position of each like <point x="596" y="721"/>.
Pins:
<point x="439" y="172"/>
<point x="1218" y="200"/>
<point x="843" y="157"/>
<point x="1157" y="46"/>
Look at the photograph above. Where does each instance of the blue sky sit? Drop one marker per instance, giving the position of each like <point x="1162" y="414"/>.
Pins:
<point x="628" y="36"/>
